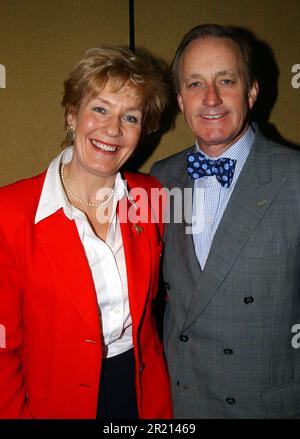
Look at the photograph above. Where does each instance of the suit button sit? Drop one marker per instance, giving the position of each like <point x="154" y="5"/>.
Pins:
<point x="248" y="300"/>
<point x="141" y="367"/>
<point x="230" y="401"/>
<point x="167" y="285"/>
<point x="228" y="351"/>
<point x="183" y="337"/>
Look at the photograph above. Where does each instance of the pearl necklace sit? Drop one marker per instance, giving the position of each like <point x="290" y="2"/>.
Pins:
<point x="85" y="203"/>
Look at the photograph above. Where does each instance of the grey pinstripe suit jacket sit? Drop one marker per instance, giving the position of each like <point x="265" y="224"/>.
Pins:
<point x="227" y="329"/>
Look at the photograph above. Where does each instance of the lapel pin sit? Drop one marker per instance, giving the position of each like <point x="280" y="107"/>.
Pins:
<point x="137" y="229"/>
<point x="261" y="203"/>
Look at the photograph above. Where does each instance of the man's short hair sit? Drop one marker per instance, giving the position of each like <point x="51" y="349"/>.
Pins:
<point x="216" y="31"/>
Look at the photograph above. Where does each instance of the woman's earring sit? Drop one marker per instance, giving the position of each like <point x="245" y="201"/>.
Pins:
<point x="70" y="135"/>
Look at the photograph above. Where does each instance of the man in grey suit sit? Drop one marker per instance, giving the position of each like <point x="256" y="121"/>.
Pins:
<point x="233" y="284"/>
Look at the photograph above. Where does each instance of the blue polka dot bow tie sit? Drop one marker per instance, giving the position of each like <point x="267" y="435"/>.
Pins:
<point x="199" y="166"/>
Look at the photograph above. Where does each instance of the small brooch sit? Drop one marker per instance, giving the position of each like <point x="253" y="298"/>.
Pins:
<point x="137" y="229"/>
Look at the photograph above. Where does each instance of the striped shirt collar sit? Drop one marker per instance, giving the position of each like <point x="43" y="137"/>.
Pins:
<point x="238" y="151"/>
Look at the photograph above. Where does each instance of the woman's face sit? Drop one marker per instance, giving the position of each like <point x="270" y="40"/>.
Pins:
<point x="107" y="131"/>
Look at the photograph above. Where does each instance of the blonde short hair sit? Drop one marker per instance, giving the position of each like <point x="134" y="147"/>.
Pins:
<point x="121" y="67"/>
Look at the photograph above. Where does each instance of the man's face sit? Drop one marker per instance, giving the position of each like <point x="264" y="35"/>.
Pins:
<point x="213" y="95"/>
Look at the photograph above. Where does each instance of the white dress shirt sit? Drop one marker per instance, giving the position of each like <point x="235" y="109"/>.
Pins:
<point x="106" y="258"/>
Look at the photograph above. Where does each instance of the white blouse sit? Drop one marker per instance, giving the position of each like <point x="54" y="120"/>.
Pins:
<point x="106" y="258"/>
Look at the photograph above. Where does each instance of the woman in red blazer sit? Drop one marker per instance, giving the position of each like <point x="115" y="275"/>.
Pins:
<point x="79" y="259"/>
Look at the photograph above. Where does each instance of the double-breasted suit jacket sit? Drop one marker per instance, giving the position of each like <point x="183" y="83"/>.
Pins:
<point x="50" y="357"/>
<point x="228" y="329"/>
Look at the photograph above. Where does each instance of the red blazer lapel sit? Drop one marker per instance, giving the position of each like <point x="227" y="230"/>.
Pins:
<point x="138" y="264"/>
<point x="59" y="238"/>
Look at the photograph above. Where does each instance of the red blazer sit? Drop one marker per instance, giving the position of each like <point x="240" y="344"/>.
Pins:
<point x="50" y="357"/>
